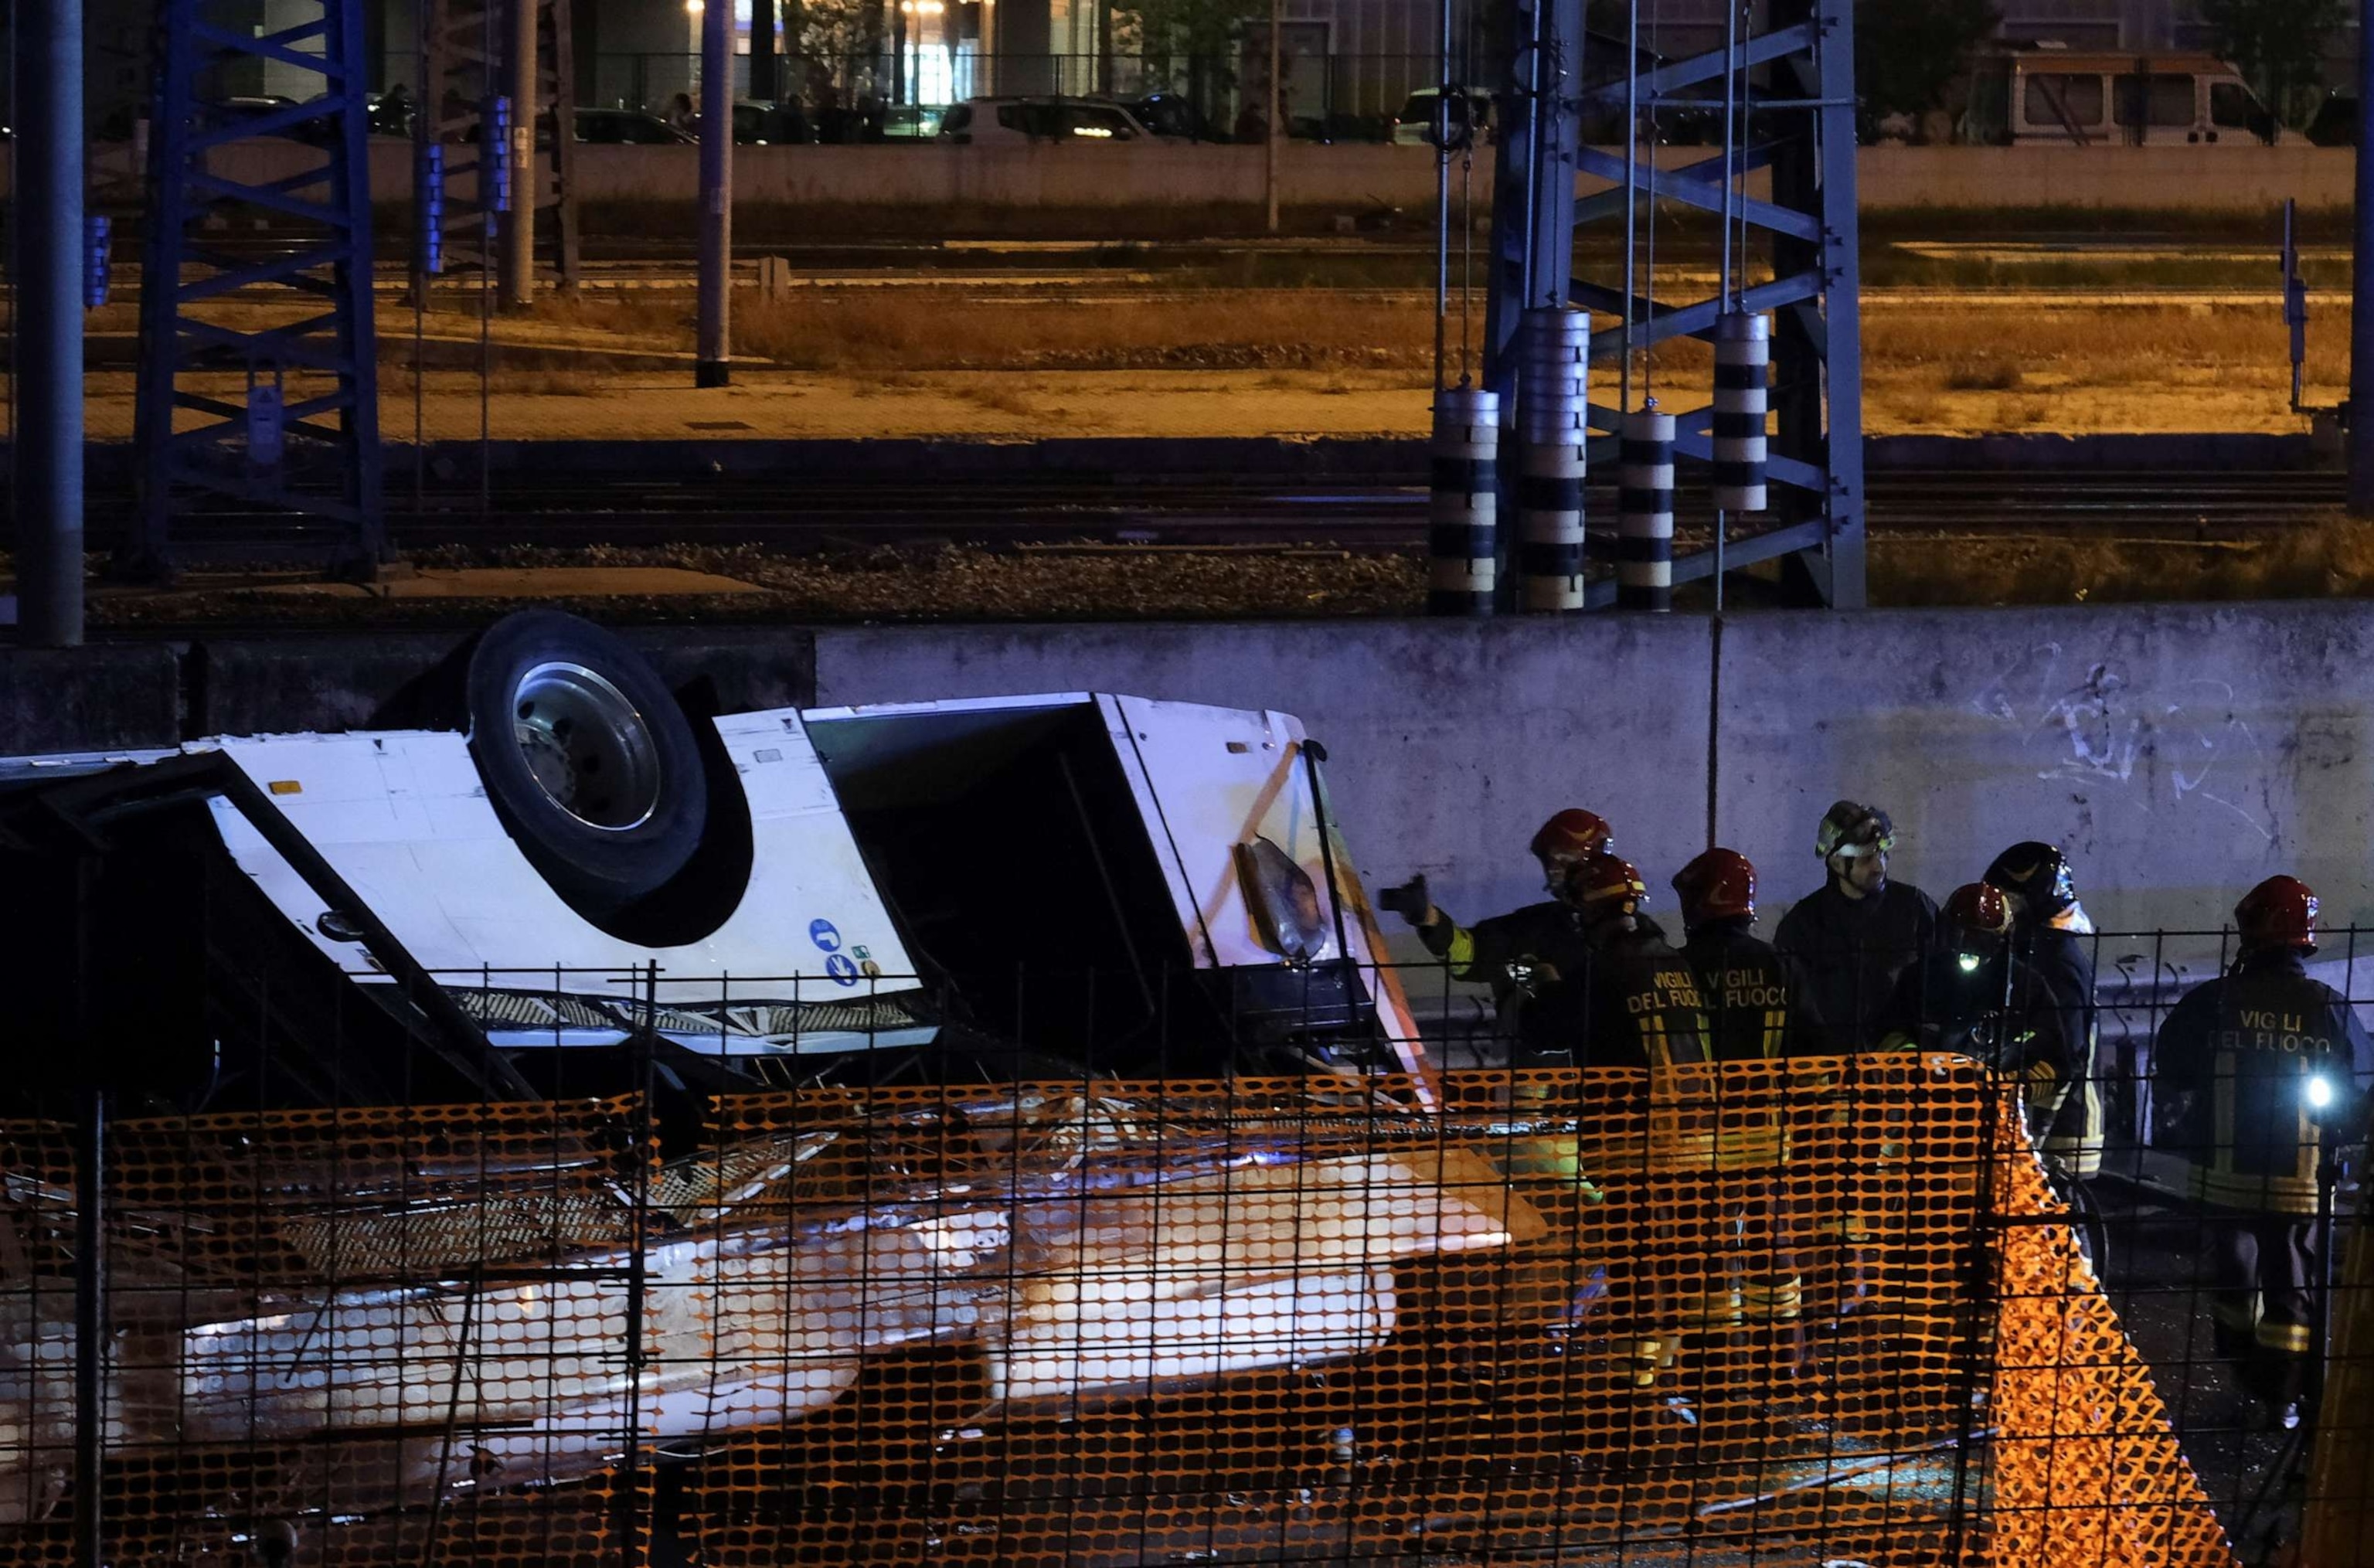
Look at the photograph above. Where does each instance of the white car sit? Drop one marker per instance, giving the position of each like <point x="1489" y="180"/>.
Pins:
<point x="1045" y="120"/>
<point x="1413" y="126"/>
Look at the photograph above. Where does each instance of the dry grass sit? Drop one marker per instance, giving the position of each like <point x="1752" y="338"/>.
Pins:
<point x="1964" y="346"/>
<point x="887" y="585"/>
<point x="913" y="329"/>
<point x="997" y="399"/>
<point x="2333" y="558"/>
<point x="1983" y="375"/>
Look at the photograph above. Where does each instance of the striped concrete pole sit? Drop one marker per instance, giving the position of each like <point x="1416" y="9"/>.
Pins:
<point x="1742" y="359"/>
<point x="1644" y="524"/>
<point x="1463" y="535"/>
<point x="1552" y="406"/>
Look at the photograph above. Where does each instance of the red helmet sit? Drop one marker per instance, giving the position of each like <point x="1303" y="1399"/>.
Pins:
<point x="2278" y="913"/>
<point x="1604" y="886"/>
<point x="1976" y="908"/>
<point x="1717" y="885"/>
<point x="1572" y="833"/>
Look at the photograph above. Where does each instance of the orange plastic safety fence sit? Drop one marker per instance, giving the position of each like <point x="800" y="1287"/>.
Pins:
<point x="2337" y="1526"/>
<point x="1715" y="1315"/>
<point x="2087" y="1470"/>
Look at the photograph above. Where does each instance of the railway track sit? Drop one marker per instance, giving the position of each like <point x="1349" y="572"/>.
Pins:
<point x="560" y="513"/>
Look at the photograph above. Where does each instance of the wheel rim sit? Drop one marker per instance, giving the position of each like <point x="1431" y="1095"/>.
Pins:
<point x="586" y="746"/>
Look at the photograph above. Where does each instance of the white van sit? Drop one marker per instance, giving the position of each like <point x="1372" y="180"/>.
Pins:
<point x="2042" y="94"/>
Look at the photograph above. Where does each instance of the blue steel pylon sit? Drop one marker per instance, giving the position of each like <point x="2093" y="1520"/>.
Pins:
<point x="1794" y="64"/>
<point x="280" y="417"/>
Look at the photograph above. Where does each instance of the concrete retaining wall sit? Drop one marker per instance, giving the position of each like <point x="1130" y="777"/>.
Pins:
<point x="2182" y="753"/>
<point x="1356" y="176"/>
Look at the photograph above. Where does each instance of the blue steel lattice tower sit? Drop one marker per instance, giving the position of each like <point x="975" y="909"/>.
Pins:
<point x="270" y="202"/>
<point x="1788" y="113"/>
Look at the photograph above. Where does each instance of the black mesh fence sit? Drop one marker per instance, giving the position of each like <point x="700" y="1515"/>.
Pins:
<point x="1323" y="1264"/>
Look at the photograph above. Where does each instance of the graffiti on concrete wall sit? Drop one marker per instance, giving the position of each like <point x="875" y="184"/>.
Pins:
<point x="2159" y="747"/>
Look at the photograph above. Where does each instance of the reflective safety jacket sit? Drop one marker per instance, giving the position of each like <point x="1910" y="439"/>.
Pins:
<point x="2232" y="1068"/>
<point x="1851" y="951"/>
<point x="1755" y="1008"/>
<point x="1755" y="1012"/>
<point x="1631" y="1002"/>
<point x="1504" y="951"/>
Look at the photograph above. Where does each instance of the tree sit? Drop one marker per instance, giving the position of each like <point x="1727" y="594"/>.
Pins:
<point x="2277" y="44"/>
<point x="1909" y="53"/>
<point x="1191" y="43"/>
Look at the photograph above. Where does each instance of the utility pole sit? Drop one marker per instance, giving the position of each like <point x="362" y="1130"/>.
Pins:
<point x="2361" y="283"/>
<point x="709" y="365"/>
<point x="47" y="332"/>
<point x="1277" y="108"/>
<point x="518" y="288"/>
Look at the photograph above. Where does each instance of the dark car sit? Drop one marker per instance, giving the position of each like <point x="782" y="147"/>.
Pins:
<point x="627" y="127"/>
<point x="2336" y="122"/>
<point x="1173" y="116"/>
<point x="604" y="127"/>
<point x="258" y="106"/>
<point x="777" y="123"/>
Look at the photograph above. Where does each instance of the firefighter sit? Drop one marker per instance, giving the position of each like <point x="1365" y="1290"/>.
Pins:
<point x="2258" y="1072"/>
<point x="1633" y="1002"/>
<point x="2050" y="931"/>
<point x="1754" y="997"/>
<point x="1754" y="1014"/>
<point x="1974" y="995"/>
<point x="1518" y="953"/>
<point x="1854" y="938"/>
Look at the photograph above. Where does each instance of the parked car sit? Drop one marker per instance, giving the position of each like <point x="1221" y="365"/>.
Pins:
<point x="2040" y="95"/>
<point x="1470" y="112"/>
<point x="605" y="127"/>
<point x="258" y="106"/>
<point x="2335" y="121"/>
<point x="1173" y="116"/>
<point x="627" y="127"/>
<point x="1021" y="121"/>
<point x="771" y="123"/>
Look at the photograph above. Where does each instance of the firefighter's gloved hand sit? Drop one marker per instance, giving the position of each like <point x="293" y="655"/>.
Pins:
<point x="1410" y="901"/>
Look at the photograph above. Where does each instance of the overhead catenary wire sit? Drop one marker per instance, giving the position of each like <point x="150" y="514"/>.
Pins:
<point x="1631" y="195"/>
<point x="1731" y="168"/>
<point x="1466" y="244"/>
<point x="1442" y="193"/>
<point x="1649" y="310"/>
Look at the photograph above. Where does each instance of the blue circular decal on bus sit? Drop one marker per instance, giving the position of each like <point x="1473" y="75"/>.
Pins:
<point x="842" y="968"/>
<point x="825" y="935"/>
